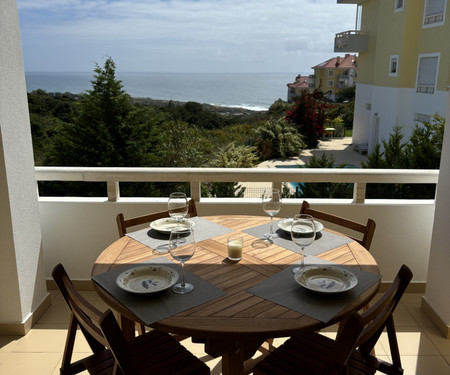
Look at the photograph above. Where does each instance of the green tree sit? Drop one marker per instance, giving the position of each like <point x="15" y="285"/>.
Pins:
<point x="425" y="145"/>
<point x="103" y="134"/>
<point x="324" y="189"/>
<point x="422" y="151"/>
<point x="277" y="139"/>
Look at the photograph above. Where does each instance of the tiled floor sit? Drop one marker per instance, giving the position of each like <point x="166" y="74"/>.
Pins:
<point x="423" y="349"/>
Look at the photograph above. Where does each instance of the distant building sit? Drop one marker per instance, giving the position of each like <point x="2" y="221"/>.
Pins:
<point x="403" y="65"/>
<point x="334" y="75"/>
<point x="294" y="89"/>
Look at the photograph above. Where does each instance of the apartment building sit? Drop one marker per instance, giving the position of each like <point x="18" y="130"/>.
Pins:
<point x="403" y="65"/>
<point x="335" y="74"/>
<point x="330" y="77"/>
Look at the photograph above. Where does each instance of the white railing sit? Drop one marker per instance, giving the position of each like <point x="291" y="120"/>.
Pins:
<point x="76" y="229"/>
<point x="351" y="41"/>
<point x="195" y="176"/>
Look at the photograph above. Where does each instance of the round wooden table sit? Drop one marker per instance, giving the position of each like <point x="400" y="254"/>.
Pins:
<point x="235" y="325"/>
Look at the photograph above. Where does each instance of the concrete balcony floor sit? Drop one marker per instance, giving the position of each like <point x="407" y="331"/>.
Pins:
<point x="423" y="349"/>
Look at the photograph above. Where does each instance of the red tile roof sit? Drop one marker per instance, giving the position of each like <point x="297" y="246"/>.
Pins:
<point x="346" y="62"/>
<point x="300" y="82"/>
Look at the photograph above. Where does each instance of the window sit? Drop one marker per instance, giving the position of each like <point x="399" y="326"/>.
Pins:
<point x="427" y="73"/>
<point x="399" y="5"/>
<point x="393" y="65"/>
<point x="331" y="73"/>
<point x="434" y="12"/>
<point x="330" y="83"/>
<point x="420" y="117"/>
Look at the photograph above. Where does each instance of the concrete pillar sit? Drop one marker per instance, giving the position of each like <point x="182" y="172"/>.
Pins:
<point x="436" y="301"/>
<point x="23" y="292"/>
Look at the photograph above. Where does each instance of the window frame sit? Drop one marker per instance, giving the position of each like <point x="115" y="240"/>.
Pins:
<point x="427" y="89"/>
<point x="398" y="8"/>
<point x="331" y="73"/>
<point x="392" y="59"/>
<point x="330" y="83"/>
<point x="435" y="23"/>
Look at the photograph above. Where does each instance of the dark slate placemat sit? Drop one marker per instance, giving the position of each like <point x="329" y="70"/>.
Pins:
<point x="282" y="289"/>
<point x="154" y="307"/>
<point x="324" y="240"/>
<point x="203" y="230"/>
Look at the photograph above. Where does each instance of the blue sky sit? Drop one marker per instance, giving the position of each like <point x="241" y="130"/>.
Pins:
<point x="181" y="35"/>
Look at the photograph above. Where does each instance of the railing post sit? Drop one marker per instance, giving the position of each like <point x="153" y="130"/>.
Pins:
<point x="196" y="192"/>
<point x="359" y="192"/>
<point x="113" y="190"/>
<point x="277" y="185"/>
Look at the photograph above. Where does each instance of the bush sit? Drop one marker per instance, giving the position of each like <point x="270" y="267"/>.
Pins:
<point x="308" y="115"/>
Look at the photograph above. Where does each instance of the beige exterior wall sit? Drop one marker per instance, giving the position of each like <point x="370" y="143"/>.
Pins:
<point x="401" y="33"/>
<point x="323" y="78"/>
<point x="385" y="100"/>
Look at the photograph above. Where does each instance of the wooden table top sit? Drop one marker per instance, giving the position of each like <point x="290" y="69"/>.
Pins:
<point x="238" y="314"/>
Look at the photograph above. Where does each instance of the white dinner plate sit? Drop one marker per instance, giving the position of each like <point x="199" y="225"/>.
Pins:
<point x="147" y="279"/>
<point x="286" y="224"/>
<point x="166" y="224"/>
<point x="326" y="279"/>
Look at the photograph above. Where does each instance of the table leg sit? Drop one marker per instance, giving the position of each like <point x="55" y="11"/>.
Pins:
<point x="233" y="361"/>
<point x="234" y="353"/>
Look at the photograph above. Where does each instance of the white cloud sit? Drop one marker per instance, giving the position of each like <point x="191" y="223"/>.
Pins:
<point x="193" y="35"/>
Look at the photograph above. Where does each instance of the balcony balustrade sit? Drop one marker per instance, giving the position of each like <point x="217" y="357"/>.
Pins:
<point x="76" y="229"/>
<point x="351" y="41"/>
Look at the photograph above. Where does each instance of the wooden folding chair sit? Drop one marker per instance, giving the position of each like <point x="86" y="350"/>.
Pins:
<point x="123" y="224"/>
<point x="152" y="353"/>
<point x="350" y="353"/>
<point x="366" y="230"/>
<point x="88" y="318"/>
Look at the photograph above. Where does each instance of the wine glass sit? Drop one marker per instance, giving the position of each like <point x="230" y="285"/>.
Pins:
<point x="182" y="252"/>
<point x="303" y="233"/>
<point x="178" y="207"/>
<point x="271" y="201"/>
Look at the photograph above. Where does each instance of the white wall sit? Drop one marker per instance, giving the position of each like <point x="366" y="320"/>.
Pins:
<point x="395" y="107"/>
<point x="437" y="293"/>
<point x="22" y="281"/>
<point x="76" y="231"/>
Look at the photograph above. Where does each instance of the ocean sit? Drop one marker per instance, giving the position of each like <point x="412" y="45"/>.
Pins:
<point x="253" y="91"/>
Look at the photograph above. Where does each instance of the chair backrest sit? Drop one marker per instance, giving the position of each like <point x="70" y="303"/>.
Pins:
<point x="379" y="315"/>
<point x="86" y="317"/>
<point x="367" y="230"/>
<point x="123" y="224"/>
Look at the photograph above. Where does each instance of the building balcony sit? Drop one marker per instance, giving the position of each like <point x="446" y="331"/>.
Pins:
<point x="351" y="41"/>
<point x="76" y="229"/>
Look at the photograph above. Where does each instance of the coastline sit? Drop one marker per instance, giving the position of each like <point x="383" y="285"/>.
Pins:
<point x="223" y="110"/>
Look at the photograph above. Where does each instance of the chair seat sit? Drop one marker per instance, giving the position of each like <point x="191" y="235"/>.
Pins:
<point x="166" y="356"/>
<point x="305" y="354"/>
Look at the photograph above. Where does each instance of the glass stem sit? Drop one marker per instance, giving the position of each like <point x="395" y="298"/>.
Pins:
<point x="182" y="275"/>
<point x="303" y="257"/>
<point x="271" y="228"/>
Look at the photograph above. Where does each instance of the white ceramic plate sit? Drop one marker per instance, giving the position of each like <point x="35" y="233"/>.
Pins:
<point x="326" y="279"/>
<point x="147" y="279"/>
<point x="166" y="224"/>
<point x="286" y="224"/>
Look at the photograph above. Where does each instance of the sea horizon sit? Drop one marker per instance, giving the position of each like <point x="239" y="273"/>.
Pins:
<point x="252" y="91"/>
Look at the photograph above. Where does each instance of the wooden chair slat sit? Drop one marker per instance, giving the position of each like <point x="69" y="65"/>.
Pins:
<point x="366" y="230"/>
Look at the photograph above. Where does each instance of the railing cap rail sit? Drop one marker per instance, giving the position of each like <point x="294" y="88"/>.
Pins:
<point x="129" y="174"/>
